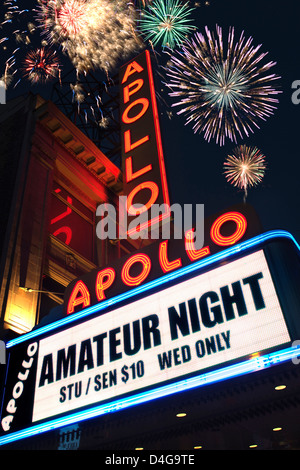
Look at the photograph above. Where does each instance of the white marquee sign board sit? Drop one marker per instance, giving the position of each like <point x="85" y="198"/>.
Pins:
<point x="213" y="318"/>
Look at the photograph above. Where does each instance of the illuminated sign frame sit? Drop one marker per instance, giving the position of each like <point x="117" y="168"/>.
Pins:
<point x="66" y="213"/>
<point x="222" y="373"/>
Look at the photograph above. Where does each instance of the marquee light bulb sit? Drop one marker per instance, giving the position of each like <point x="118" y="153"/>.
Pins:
<point x="280" y="387"/>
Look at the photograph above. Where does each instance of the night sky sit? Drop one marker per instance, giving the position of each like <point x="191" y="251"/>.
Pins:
<point x="195" y="167"/>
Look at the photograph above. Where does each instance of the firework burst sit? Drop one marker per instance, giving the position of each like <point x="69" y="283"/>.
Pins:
<point x="166" y="22"/>
<point x="223" y="91"/>
<point x="95" y="34"/>
<point x="72" y="16"/>
<point x="16" y="30"/>
<point x="41" y="65"/>
<point x="245" y="167"/>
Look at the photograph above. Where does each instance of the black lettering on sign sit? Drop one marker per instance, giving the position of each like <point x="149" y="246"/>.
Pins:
<point x="86" y="356"/>
<point x="212" y="345"/>
<point x="174" y="357"/>
<point x="214" y="308"/>
<point x="128" y="340"/>
<point x="151" y="333"/>
<point x="236" y="298"/>
<point x="105" y="380"/>
<point x="99" y="339"/>
<point x="255" y="290"/>
<point x="47" y="371"/>
<point x="66" y="363"/>
<point x="133" y="346"/>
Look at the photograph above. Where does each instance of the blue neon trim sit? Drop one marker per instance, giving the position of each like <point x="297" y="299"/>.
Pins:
<point x="252" y="242"/>
<point x="246" y="367"/>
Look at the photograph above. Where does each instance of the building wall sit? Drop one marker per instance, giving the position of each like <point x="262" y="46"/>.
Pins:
<point x="54" y="186"/>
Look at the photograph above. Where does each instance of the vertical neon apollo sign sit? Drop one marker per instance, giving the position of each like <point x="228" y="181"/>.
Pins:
<point x="144" y="172"/>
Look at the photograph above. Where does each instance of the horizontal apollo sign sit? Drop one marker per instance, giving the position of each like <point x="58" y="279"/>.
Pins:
<point x="160" y="258"/>
<point x="180" y="337"/>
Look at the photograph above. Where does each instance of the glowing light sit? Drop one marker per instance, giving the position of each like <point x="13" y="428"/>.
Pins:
<point x="127" y="141"/>
<point x="245" y="167"/>
<point x="133" y="67"/>
<point x="167" y="265"/>
<point x="136" y="85"/>
<point x="67" y="231"/>
<point x="141" y="101"/>
<point x="224" y="373"/>
<point x="101" y="285"/>
<point x="16" y="28"/>
<point x="191" y="251"/>
<point x="72" y="16"/>
<point x="41" y="65"/>
<point x="280" y="387"/>
<point x="150" y="185"/>
<point x="166" y="22"/>
<point x="130" y="175"/>
<point x="161" y="281"/>
<point x="95" y="34"/>
<point x="223" y="92"/>
<point x="75" y="299"/>
<point x="146" y="267"/>
<point x="241" y="226"/>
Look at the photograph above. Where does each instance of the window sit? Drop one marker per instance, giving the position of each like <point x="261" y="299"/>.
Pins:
<point x="72" y="222"/>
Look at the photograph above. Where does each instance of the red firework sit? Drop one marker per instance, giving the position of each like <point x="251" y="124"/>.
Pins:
<point x="72" y="16"/>
<point x="41" y="65"/>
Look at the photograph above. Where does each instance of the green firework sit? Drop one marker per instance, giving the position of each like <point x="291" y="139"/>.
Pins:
<point x="166" y="22"/>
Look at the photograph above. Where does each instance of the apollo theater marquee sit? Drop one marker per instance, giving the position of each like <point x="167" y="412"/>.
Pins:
<point x="163" y="320"/>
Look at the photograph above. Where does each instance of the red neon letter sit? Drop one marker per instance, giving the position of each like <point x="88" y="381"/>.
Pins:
<point x="241" y="226"/>
<point x="165" y="264"/>
<point x="154" y="193"/>
<point x="67" y="231"/>
<point x="145" y="105"/>
<point x="127" y="141"/>
<point x="138" y="85"/>
<point x="83" y="299"/>
<point x="101" y="285"/>
<point x="146" y="265"/>
<point x="132" y="68"/>
<point x="64" y="214"/>
<point x="192" y="253"/>
<point x="129" y="173"/>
